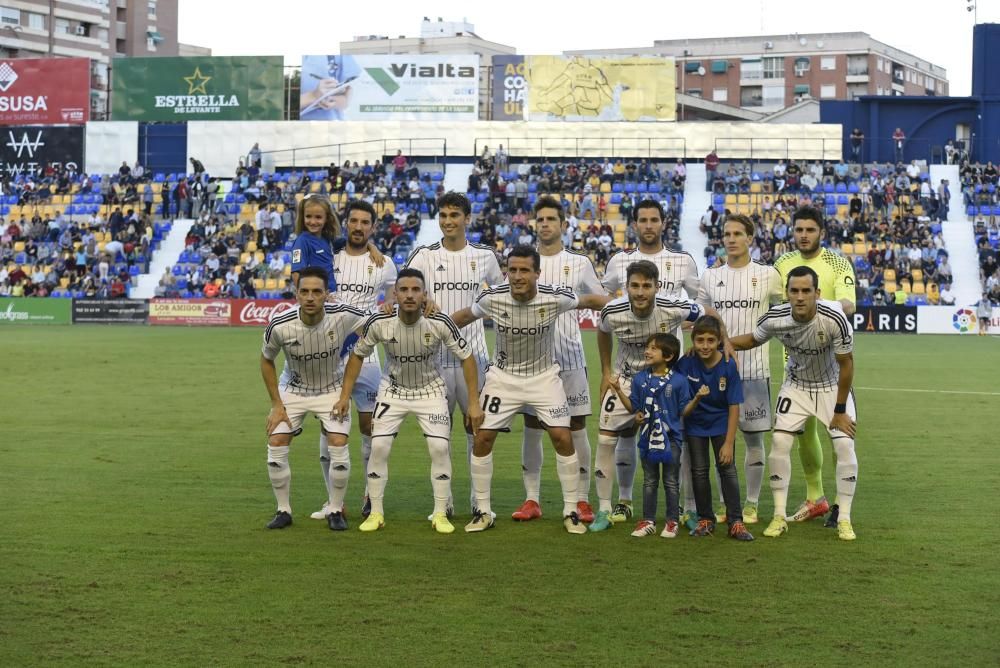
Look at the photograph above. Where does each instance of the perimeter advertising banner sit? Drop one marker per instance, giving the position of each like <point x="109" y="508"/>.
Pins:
<point x="954" y="320"/>
<point x="378" y="88"/>
<point x="238" y="88"/>
<point x="509" y="88"/>
<point x="257" y="312"/>
<point x="108" y="311"/>
<point x="44" y="90"/>
<point x="35" y="311"/>
<point x="577" y="88"/>
<point x="886" y="319"/>
<point x="189" y="311"/>
<point x="30" y="147"/>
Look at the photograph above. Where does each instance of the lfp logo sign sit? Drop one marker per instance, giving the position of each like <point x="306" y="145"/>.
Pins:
<point x="964" y="321"/>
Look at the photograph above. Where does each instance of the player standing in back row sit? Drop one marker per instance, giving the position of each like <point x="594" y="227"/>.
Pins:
<point x="523" y="373"/>
<point x="742" y="291"/>
<point x="836" y="282"/>
<point x="569" y="269"/>
<point x="819" y="341"/>
<point x="360" y="281"/>
<point x="678" y="273"/>
<point x="455" y="272"/>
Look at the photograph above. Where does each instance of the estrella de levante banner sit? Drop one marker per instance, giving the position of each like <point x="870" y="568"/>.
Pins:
<point x="210" y="88"/>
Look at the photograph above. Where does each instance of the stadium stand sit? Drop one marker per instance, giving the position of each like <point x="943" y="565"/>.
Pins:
<point x="886" y="218"/>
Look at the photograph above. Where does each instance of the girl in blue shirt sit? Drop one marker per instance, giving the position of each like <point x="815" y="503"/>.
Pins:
<point x="713" y="422"/>
<point x="318" y="238"/>
<point x="659" y="400"/>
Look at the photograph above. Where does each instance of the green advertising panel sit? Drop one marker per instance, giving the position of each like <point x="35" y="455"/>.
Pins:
<point x="40" y="311"/>
<point x="243" y="88"/>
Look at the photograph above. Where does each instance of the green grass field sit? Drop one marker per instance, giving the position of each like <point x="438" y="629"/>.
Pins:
<point x="135" y="491"/>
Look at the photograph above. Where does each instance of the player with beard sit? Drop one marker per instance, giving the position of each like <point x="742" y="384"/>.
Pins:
<point x="836" y="282"/>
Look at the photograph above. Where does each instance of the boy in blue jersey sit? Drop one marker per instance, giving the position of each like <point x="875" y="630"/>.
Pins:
<point x="659" y="399"/>
<point x="716" y="381"/>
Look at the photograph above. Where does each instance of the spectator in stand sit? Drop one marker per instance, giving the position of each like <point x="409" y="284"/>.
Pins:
<point x="898" y="141"/>
<point x="198" y="168"/>
<point x="711" y="165"/>
<point x="857" y="142"/>
<point x="399" y="166"/>
<point x="253" y="156"/>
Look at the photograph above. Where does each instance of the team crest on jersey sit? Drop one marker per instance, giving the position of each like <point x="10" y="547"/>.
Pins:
<point x="427" y="338"/>
<point x="722" y="384"/>
<point x="472" y="265"/>
<point x="753" y="282"/>
<point x="370" y="269"/>
<point x="663" y="327"/>
<point x="566" y="270"/>
<point x="821" y="336"/>
<point x="666" y="267"/>
<point x="297" y="255"/>
<point x="332" y="336"/>
<point x="541" y="313"/>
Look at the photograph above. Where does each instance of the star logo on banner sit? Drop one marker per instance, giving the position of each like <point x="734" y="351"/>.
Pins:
<point x="201" y="80"/>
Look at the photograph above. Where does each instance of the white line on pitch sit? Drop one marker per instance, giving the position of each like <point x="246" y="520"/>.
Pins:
<point x="902" y="389"/>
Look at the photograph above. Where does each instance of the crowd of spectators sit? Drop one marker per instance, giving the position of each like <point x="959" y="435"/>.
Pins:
<point x="886" y="218"/>
<point x="63" y="233"/>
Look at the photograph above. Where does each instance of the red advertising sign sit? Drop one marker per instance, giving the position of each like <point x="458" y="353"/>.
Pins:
<point x="257" y="312"/>
<point x="588" y="319"/>
<point x="190" y="311"/>
<point x="44" y="91"/>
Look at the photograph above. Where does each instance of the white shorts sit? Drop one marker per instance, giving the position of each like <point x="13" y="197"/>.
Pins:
<point x="614" y="416"/>
<point x="755" y="411"/>
<point x="320" y="405"/>
<point x="577" y="388"/>
<point x="366" y="387"/>
<point x="505" y="395"/>
<point x="454" y="380"/>
<point x="431" y="413"/>
<point x="796" y="405"/>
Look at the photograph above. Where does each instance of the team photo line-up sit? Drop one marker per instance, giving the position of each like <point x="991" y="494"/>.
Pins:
<point x="669" y="409"/>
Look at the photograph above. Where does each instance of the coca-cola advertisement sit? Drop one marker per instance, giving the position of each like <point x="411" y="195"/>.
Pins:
<point x="257" y="312"/>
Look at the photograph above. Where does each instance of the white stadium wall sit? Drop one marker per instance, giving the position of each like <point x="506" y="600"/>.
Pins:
<point x="110" y="142"/>
<point x="220" y="144"/>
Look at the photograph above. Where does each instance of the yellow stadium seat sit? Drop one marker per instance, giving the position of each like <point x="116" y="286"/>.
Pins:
<point x="315" y="186"/>
<point x="890" y="275"/>
<point x="918" y="276"/>
<point x="890" y="286"/>
<point x="251" y="246"/>
<point x="743" y="199"/>
<point x="755" y="187"/>
<point x="258" y="283"/>
<point x="271" y="284"/>
<point x="906" y="285"/>
<point x="259" y="255"/>
<point x="918" y="287"/>
<point x="614" y="210"/>
<point x="605" y="187"/>
<point x="64" y="282"/>
<point x="157" y="187"/>
<point x="244" y="258"/>
<point x="730" y="199"/>
<point x="100" y="246"/>
<point x="288" y="270"/>
<point x="18" y="246"/>
<point x="847" y="249"/>
<point x="918" y="210"/>
<point x="620" y="238"/>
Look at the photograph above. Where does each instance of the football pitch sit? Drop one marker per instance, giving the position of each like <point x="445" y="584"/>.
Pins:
<point x="135" y="494"/>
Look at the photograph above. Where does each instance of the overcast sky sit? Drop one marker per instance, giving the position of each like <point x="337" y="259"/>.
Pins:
<point x="936" y="30"/>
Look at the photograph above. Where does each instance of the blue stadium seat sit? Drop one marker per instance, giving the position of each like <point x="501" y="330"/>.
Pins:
<point x="629" y="187"/>
<point x="984" y="210"/>
<point x="481" y="197"/>
<point x="182" y="284"/>
<point x="533" y="187"/>
<point x="399" y="259"/>
<point x="719" y="199"/>
<point x="616" y="198"/>
<point x="841" y="188"/>
<point x="642" y="188"/>
<point x="654" y="187"/>
<point x="842" y="199"/>
<point x="477" y="208"/>
<point x="970" y="210"/>
<point x="852" y="187"/>
<point x="437" y="176"/>
<point x="133" y="270"/>
<point x="617" y="187"/>
<point x="475" y="237"/>
<point x="828" y="187"/>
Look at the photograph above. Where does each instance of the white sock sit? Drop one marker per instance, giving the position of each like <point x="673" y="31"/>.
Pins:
<point x="581" y="443"/>
<point x="340" y="473"/>
<point x="324" y="462"/>
<point x="280" y="474"/>
<point x="470" y="441"/>
<point x="604" y="464"/>
<point x="378" y="471"/>
<point x="687" y="487"/>
<point x="753" y="465"/>
<point x="531" y="462"/>
<point x="440" y="473"/>
<point x="366" y="453"/>
<point x="847" y="474"/>
<point x="625" y="460"/>
<point x="481" y="471"/>
<point x="568" y="469"/>
<point x="780" y="463"/>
